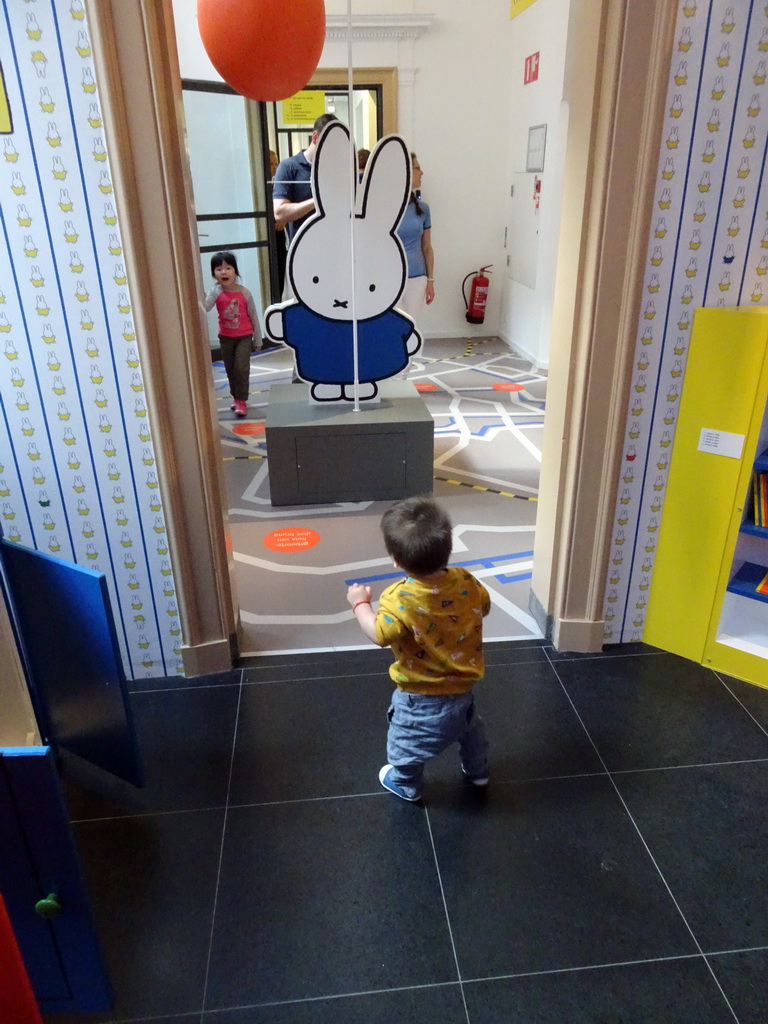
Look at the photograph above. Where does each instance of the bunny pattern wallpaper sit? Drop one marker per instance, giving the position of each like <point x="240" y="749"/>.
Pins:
<point x="318" y="322"/>
<point x="77" y="465"/>
<point x="708" y="246"/>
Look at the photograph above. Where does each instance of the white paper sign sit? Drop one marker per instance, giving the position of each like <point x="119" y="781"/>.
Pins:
<point x="720" y="442"/>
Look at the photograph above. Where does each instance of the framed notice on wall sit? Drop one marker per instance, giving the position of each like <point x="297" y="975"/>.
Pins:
<point x="304" y="107"/>
<point x="537" y="143"/>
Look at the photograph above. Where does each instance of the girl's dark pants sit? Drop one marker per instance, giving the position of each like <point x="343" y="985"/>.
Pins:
<point x="236" y="353"/>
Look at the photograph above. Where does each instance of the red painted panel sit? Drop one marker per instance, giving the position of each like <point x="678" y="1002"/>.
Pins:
<point x="17" y="1004"/>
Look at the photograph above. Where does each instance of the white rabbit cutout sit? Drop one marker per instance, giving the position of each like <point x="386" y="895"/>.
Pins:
<point x="317" y="324"/>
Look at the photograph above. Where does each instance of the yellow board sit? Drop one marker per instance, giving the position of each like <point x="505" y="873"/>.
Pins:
<point x="518" y="6"/>
<point x="720" y="656"/>
<point x="6" y="123"/>
<point x="304" y="107"/>
<point x="696" y="535"/>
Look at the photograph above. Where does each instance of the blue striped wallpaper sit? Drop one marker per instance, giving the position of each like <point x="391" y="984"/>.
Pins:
<point x="77" y="466"/>
<point x="708" y="246"/>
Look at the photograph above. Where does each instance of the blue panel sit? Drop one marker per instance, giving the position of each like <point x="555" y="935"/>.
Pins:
<point x="21" y="890"/>
<point x="65" y="628"/>
<point x="38" y="858"/>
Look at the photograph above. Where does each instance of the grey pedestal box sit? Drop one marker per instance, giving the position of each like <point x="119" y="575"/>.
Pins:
<point x="321" y="453"/>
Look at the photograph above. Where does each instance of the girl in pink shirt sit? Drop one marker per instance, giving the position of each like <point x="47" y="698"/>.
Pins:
<point x="239" y="332"/>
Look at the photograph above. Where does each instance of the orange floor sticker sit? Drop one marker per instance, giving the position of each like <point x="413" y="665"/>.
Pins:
<point x="292" y="538"/>
<point x="425" y="386"/>
<point x="249" y="428"/>
<point x="508" y="386"/>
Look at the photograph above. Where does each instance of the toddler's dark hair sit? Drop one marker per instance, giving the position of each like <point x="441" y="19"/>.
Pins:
<point x="418" y="535"/>
<point x="224" y="257"/>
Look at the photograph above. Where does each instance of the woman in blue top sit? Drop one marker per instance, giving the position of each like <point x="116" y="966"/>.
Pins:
<point x="415" y="232"/>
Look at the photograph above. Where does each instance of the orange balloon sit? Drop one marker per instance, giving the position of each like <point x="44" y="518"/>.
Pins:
<point x="264" y="49"/>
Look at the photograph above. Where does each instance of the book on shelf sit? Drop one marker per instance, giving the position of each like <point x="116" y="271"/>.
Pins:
<point x="755" y="499"/>
<point x="760" y="498"/>
<point x="750" y="580"/>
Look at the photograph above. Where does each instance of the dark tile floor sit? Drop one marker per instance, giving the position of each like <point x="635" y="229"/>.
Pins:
<point x="613" y="872"/>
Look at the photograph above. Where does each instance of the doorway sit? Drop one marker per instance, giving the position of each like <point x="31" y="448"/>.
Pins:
<point x="559" y="553"/>
<point x="292" y="565"/>
<point x="367" y="120"/>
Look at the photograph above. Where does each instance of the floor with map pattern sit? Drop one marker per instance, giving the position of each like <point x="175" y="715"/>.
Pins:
<point x="293" y="564"/>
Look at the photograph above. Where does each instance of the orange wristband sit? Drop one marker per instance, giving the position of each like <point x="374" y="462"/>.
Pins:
<point x="359" y="603"/>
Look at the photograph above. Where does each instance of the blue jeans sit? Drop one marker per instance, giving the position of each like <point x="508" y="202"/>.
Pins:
<point x="422" y="726"/>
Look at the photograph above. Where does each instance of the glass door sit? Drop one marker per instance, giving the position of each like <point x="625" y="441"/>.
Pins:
<point x="229" y="165"/>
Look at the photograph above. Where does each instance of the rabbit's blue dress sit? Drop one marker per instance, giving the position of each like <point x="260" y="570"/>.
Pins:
<point x="324" y="349"/>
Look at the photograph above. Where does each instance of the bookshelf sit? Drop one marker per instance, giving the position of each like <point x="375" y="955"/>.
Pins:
<point x="743" y="622"/>
<point x="712" y="555"/>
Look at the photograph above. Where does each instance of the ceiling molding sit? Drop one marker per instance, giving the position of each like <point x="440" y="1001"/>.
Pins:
<point x="378" y="26"/>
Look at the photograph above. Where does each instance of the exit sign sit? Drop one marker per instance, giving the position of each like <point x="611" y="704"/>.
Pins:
<point x="531" y="68"/>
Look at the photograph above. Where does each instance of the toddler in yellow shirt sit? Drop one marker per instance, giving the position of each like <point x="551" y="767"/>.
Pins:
<point x="433" y="621"/>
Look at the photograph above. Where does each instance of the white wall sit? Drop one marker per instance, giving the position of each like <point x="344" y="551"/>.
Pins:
<point x="454" y="118"/>
<point x="193" y="60"/>
<point x="525" y="317"/>
<point x="467" y="115"/>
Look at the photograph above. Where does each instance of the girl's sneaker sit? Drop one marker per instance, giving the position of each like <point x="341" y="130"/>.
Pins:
<point x="233" y="406"/>
<point x="241" y="408"/>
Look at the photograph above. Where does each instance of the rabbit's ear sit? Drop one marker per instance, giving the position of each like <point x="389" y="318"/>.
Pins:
<point x="387" y="182"/>
<point x="333" y="165"/>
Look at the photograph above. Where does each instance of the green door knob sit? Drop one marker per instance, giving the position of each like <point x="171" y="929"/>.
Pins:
<point x="49" y="907"/>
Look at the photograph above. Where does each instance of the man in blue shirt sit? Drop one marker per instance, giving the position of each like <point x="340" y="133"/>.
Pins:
<point x="292" y="200"/>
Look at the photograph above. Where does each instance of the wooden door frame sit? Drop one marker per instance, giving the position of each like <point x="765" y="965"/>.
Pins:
<point x="615" y="86"/>
<point x="385" y="78"/>
<point x="137" y="68"/>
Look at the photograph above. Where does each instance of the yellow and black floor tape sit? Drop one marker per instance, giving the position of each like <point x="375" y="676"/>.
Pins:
<point x="464" y="355"/>
<point x="490" y="490"/>
<point x="441" y="479"/>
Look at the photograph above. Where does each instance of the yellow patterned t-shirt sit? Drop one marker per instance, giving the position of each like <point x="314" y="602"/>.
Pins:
<point x="435" y="631"/>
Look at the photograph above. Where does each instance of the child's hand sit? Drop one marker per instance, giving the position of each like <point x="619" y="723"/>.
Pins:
<point x="365" y="615"/>
<point x="357" y="592"/>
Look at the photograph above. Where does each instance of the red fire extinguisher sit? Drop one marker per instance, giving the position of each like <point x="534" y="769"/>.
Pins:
<point x="478" y="295"/>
